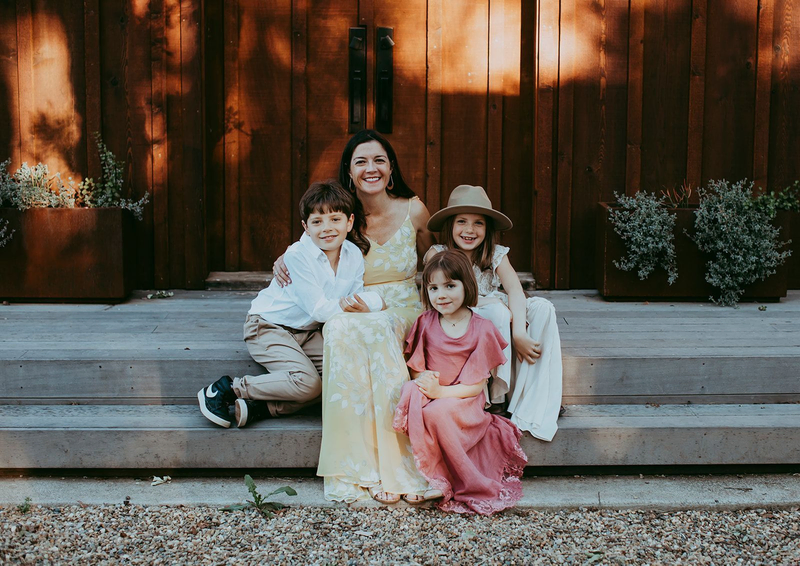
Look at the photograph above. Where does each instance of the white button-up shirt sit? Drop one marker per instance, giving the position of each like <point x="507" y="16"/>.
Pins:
<point x="314" y="293"/>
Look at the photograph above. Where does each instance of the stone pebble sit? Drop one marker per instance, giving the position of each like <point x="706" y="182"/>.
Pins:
<point x="135" y="534"/>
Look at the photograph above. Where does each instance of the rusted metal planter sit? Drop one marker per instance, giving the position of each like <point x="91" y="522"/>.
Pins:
<point x="68" y="253"/>
<point x="615" y="284"/>
<point x="793" y="263"/>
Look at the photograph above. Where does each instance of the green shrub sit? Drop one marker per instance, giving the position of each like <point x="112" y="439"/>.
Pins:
<point x="647" y="229"/>
<point x="738" y="233"/>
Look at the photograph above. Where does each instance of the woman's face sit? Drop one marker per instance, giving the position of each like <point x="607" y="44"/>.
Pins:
<point x="370" y="168"/>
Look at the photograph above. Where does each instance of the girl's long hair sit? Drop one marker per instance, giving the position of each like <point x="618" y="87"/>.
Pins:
<point x="482" y="255"/>
<point x="399" y="186"/>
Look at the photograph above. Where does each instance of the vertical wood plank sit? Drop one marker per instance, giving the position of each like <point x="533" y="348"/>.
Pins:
<point x="231" y="74"/>
<point x="433" y="152"/>
<point x="193" y="165"/>
<point x="494" y="142"/>
<point x="9" y="86"/>
<point x="214" y="119"/>
<point x="784" y="155"/>
<point x="465" y="40"/>
<point x="516" y="194"/>
<point x="697" y="89"/>
<point x="729" y="111"/>
<point x="763" y="90"/>
<point x="91" y="14"/>
<point x="159" y="144"/>
<point x="27" y="101"/>
<point x="566" y="106"/>
<point x="300" y="180"/>
<point x="547" y="54"/>
<point x="633" y="170"/>
<point x="175" y="129"/>
<point x="366" y="17"/>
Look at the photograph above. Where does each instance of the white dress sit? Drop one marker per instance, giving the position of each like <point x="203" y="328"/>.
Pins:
<point x="535" y="389"/>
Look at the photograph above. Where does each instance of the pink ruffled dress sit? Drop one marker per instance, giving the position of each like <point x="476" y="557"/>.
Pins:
<point x="472" y="456"/>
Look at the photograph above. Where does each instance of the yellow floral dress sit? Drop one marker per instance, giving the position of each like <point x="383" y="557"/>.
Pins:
<point x="363" y="373"/>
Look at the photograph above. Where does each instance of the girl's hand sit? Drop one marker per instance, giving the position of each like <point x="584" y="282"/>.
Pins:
<point x="280" y="272"/>
<point x="527" y="350"/>
<point x="353" y="304"/>
<point x="428" y="384"/>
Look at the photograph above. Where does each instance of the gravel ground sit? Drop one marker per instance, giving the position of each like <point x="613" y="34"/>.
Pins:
<point x="135" y="534"/>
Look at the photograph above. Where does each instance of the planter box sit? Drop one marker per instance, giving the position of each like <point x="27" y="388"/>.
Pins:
<point x="793" y="263"/>
<point x="67" y="253"/>
<point x="613" y="283"/>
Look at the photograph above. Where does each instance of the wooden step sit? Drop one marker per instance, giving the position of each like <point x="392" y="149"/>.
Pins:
<point x="163" y="351"/>
<point x="164" y="437"/>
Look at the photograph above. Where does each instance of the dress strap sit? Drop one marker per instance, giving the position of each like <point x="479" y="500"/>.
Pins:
<point x="408" y="212"/>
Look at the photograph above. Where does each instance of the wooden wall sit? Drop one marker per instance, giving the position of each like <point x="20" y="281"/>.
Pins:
<point x="609" y="95"/>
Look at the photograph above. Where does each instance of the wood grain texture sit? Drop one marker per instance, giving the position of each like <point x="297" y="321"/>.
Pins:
<point x="763" y="88"/>
<point x="636" y="35"/>
<point x="232" y="129"/>
<point x="300" y="124"/>
<point x="433" y="112"/>
<point x="697" y="92"/>
<point x="25" y="102"/>
<point x="564" y="158"/>
<point x="159" y="144"/>
<point x="193" y="164"/>
<point x="10" y="142"/>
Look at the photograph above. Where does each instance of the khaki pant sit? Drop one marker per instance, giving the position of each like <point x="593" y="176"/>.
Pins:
<point x="293" y="359"/>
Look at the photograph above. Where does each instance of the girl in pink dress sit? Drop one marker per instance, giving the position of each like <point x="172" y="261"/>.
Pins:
<point x="471" y="456"/>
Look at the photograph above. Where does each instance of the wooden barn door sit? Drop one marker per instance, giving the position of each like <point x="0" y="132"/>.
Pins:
<point x="278" y="99"/>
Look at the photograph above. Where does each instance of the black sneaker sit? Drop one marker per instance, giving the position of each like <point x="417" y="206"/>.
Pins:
<point x="215" y="399"/>
<point x="250" y="411"/>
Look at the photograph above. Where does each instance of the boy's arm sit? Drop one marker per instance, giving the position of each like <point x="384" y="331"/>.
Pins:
<point x="307" y="291"/>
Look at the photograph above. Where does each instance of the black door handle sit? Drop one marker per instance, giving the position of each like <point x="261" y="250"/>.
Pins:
<point x="384" y="78"/>
<point x="358" y="79"/>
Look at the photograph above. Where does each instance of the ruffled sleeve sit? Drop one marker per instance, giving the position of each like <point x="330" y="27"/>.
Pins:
<point x="499" y="253"/>
<point x="488" y="353"/>
<point x="415" y="342"/>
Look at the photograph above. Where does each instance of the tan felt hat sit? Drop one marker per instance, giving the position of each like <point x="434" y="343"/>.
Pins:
<point x="471" y="200"/>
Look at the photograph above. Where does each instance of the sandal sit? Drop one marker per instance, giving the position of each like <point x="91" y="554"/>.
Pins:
<point x="429" y="495"/>
<point x="385" y="497"/>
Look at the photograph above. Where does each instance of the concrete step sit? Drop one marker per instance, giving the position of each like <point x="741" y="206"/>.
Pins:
<point x="164" y="437"/>
<point x="163" y="351"/>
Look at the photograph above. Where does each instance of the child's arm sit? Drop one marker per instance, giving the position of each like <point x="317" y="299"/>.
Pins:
<point x="428" y="383"/>
<point x="527" y="350"/>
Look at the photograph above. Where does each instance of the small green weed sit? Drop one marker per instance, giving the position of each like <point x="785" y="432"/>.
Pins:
<point x="25" y="507"/>
<point x="259" y="502"/>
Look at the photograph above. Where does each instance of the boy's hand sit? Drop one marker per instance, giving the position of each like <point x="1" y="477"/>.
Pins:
<point x="428" y="384"/>
<point x="280" y="272"/>
<point x="527" y="350"/>
<point x="353" y="304"/>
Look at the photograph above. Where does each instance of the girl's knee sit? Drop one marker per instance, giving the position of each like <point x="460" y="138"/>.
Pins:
<point x="537" y="307"/>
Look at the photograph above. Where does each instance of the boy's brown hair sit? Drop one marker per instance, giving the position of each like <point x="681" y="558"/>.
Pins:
<point x="455" y="266"/>
<point x="326" y="197"/>
<point x="482" y="255"/>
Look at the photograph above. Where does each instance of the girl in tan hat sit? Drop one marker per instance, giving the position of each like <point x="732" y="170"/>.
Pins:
<point x="533" y="378"/>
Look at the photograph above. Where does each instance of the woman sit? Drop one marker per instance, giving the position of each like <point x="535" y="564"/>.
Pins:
<point x="363" y="364"/>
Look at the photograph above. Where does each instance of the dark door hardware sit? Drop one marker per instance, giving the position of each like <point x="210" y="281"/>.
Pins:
<point x="357" y="79"/>
<point x="384" y="71"/>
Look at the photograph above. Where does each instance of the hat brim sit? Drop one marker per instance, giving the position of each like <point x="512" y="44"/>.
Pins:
<point x="501" y="221"/>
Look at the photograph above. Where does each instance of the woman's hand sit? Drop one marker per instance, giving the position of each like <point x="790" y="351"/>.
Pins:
<point x="280" y="272"/>
<point x="428" y="384"/>
<point x="527" y="350"/>
<point x="353" y="304"/>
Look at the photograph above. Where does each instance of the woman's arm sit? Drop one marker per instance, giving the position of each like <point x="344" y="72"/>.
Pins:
<point x="527" y="350"/>
<point x="419" y="218"/>
<point x="428" y="383"/>
<point x="280" y="272"/>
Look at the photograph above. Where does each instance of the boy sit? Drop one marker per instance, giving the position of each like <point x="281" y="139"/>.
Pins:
<point x="283" y="330"/>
